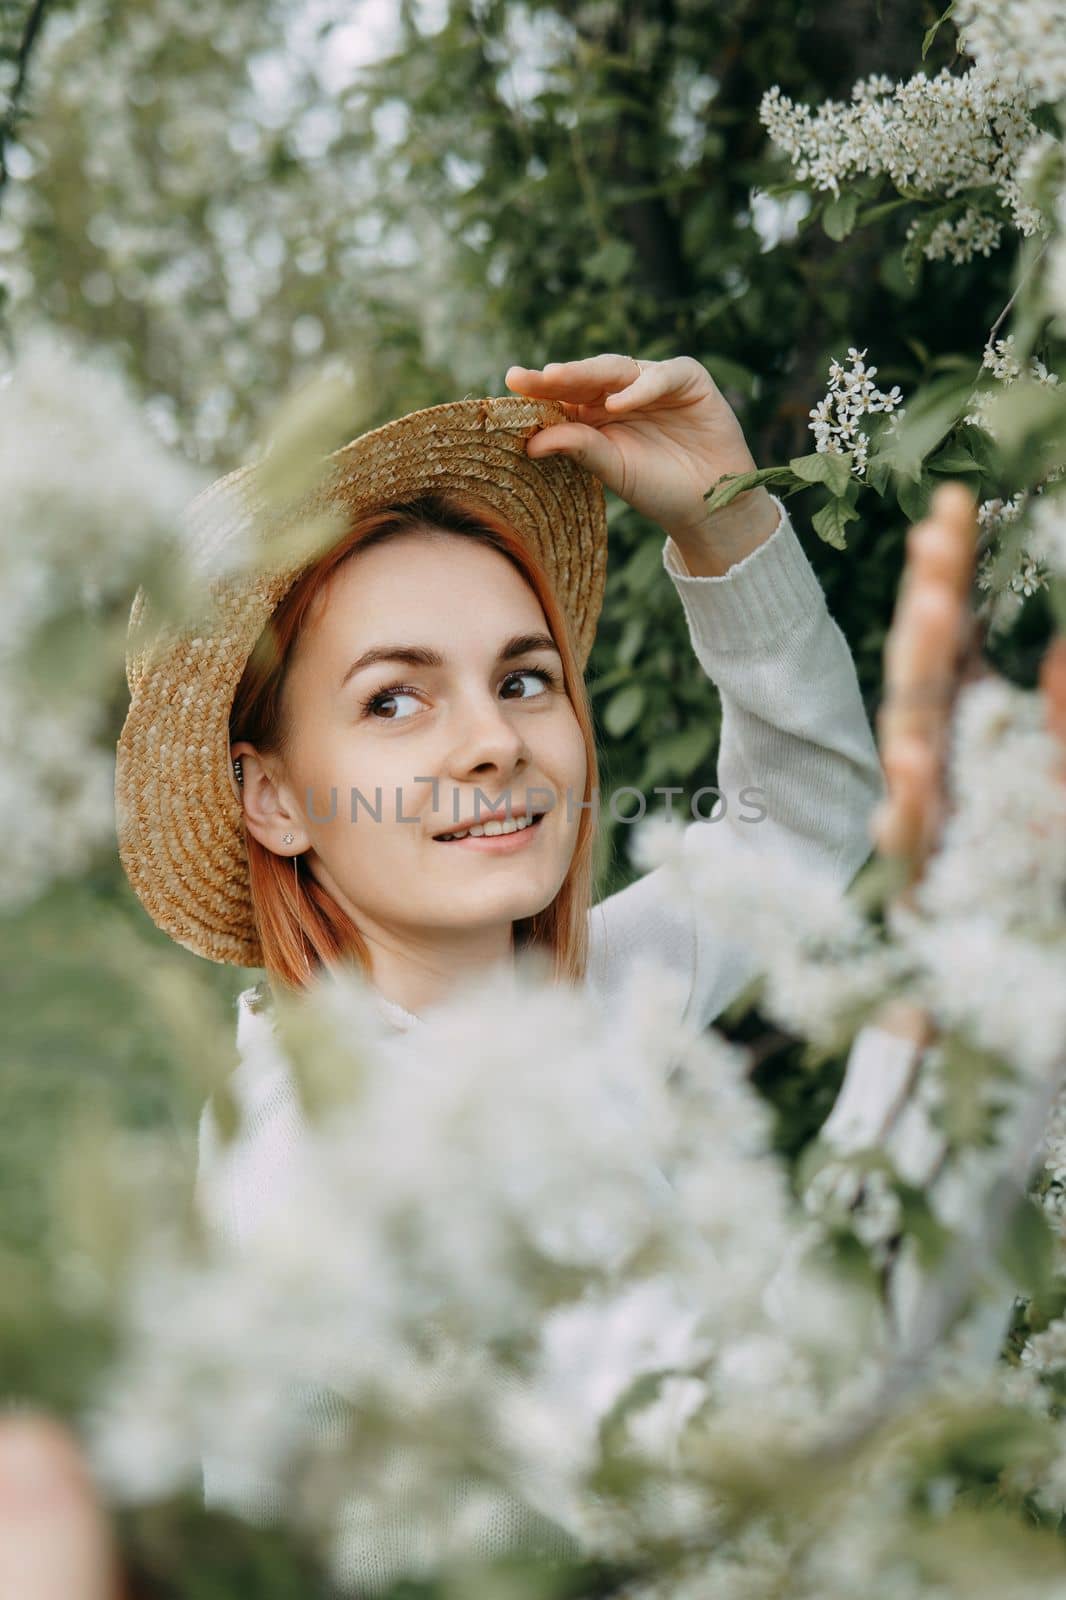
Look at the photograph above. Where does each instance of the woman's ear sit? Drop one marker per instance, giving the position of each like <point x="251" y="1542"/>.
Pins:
<point x="268" y="816"/>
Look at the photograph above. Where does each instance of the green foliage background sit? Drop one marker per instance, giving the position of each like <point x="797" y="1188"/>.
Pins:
<point x="605" y="206"/>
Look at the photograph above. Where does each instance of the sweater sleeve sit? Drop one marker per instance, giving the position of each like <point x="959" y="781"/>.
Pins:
<point x="798" y="769"/>
<point x="882" y="1105"/>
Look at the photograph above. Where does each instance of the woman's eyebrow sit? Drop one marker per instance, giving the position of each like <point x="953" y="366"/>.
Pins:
<point x="419" y="655"/>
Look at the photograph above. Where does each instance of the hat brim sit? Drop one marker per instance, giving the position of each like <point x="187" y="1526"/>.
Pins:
<point x="177" y="805"/>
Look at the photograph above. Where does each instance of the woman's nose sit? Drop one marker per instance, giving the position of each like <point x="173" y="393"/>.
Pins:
<point x="486" y="735"/>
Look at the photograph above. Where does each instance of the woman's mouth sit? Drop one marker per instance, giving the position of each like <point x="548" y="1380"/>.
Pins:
<point x="518" y="835"/>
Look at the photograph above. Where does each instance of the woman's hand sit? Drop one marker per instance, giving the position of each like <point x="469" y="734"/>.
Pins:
<point x="55" y="1539"/>
<point x="929" y="652"/>
<point x="659" y="434"/>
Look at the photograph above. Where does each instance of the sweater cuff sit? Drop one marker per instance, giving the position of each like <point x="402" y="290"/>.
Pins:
<point x="878" y="1078"/>
<point x="759" y="599"/>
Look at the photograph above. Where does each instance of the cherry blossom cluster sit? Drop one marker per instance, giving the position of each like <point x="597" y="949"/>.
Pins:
<point x="935" y="137"/>
<point x="1006" y="589"/>
<point x="1023" y="40"/>
<point x="1001" y="359"/>
<point x="1029" y="576"/>
<point x="1013" y="572"/>
<point x="959" y="239"/>
<point x="852" y="394"/>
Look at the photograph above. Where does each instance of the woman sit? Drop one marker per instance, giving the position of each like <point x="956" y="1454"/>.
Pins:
<point x="281" y="876"/>
<point x="426" y="668"/>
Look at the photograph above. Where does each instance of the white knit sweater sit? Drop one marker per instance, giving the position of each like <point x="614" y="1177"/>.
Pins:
<point x="793" y="724"/>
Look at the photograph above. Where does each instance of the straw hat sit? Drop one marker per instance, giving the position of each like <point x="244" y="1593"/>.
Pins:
<point x="177" y="803"/>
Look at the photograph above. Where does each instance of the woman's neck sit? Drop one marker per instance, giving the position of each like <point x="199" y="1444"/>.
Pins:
<point x="418" y="983"/>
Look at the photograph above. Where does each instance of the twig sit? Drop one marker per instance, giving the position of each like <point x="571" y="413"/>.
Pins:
<point x="1026" y="275"/>
<point x="7" y="127"/>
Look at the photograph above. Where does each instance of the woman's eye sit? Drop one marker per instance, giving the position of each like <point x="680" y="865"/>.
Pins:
<point x="383" y="696"/>
<point x="543" y="677"/>
<point x="372" y="707"/>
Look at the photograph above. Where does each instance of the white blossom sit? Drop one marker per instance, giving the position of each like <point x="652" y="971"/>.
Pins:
<point x="1046" y="532"/>
<point x="80" y="471"/>
<point x="959" y="239"/>
<point x="987" y="923"/>
<point x="1002" y="854"/>
<point x="935" y="136"/>
<point x="626" y="1155"/>
<point x="842" y="1195"/>
<point x="1001" y="359"/>
<point x="820" y="961"/>
<point x="851" y="395"/>
<point x="1022" y="41"/>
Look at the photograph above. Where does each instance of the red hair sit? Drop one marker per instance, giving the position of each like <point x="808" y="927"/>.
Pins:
<point x="298" y="921"/>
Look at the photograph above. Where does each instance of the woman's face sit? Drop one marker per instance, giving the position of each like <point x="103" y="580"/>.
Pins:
<point x="417" y="740"/>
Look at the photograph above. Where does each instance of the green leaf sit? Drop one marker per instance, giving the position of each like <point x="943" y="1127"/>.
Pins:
<point x="677" y="756"/>
<point x="892" y="274"/>
<point x="830" y="520"/>
<point x="932" y="1239"/>
<point x="883" y="209"/>
<point x="623" y="709"/>
<point x="824" y="466"/>
<point x="642" y="565"/>
<point x="930" y="414"/>
<point x="632" y="639"/>
<point x="932" y="32"/>
<point x="953" y="459"/>
<point x="778" y="191"/>
<point x="1027" y="1249"/>
<point x="733" y="483"/>
<point x="612" y="263"/>
<point x="728" y="373"/>
<point x="982" y="447"/>
<point x="609" y="680"/>
<point x="913" y="498"/>
<point x="877" y="473"/>
<point x="1025" y="412"/>
<point x="838" y="218"/>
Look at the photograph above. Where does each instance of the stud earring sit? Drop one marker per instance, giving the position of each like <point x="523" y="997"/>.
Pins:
<point x="238" y="770"/>
<point x="288" y="838"/>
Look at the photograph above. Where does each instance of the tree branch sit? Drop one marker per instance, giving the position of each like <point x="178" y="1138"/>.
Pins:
<point x="22" y="66"/>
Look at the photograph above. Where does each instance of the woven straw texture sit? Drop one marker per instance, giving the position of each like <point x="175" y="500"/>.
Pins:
<point x="177" y="805"/>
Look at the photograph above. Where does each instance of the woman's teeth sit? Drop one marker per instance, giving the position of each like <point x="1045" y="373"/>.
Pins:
<point x="490" y="829"/>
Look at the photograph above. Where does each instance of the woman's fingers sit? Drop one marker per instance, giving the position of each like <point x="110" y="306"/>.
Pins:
<point x="922" y="659"/>
<point x="584" y="444"/>
<point x="609" y="387"/>
<point x="579" y="381"/>
<point x="920" y="656"/>
<point x="902" y="825"/>
<point x="55" y="1541"/>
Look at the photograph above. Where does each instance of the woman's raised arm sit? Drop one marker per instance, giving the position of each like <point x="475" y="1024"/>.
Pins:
<point x="798" y="769"/>
<point x="797" y="764"/>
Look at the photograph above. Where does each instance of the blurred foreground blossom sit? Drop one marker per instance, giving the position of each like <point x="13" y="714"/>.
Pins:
<point x="91" y="499"/>
<point x="982" y="948"/>
<point x="548" y="1241"/>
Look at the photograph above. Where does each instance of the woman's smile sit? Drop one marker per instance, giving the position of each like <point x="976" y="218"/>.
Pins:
<point x="505" y="843"/>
